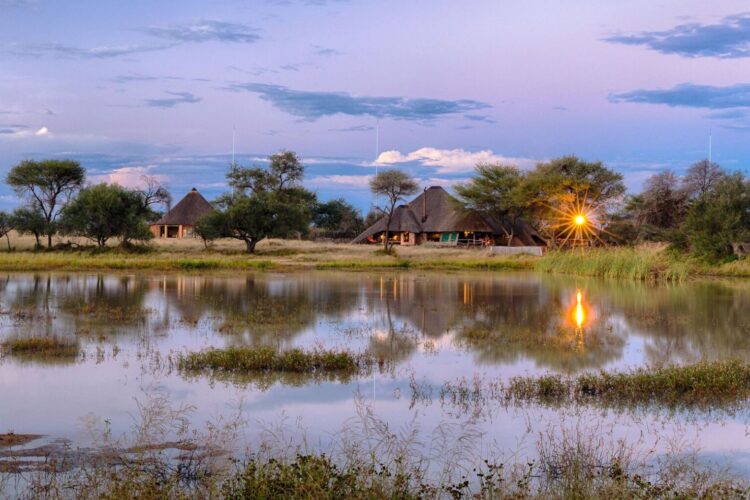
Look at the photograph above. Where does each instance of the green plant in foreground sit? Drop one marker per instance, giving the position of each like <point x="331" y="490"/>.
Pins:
<point x="41" y="346"/>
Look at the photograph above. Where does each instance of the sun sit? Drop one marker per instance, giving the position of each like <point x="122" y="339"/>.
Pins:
<point x="578" y="221"/>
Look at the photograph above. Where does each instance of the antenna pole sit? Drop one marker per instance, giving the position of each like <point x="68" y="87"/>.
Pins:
<point x="377" y="145"/>
<point x="710" y="140"/>
<point x="233" y="133"/>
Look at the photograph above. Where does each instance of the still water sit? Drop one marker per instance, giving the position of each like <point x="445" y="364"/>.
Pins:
<point x="426" y="329"/>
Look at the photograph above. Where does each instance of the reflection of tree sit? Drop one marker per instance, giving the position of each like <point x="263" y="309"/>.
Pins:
<point x="395" y="344"/>
<point x="685" y="323"/>
<point x="256" y="309"/>
<point x="512" y="320"/>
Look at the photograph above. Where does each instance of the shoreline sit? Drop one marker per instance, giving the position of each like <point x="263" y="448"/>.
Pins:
<point x="640" y="264"/>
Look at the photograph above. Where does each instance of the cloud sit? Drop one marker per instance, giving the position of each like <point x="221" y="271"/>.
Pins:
<point x="480" y="118"/>
<point x="350" y="181"/>
<point x="127" y="177"/>
<point x="729" y="38"/>
<point x="691" y="96"/>
<point x="42" y="132"/>
<point x="12" y="129"/>
<point x="325" y="51"/>
<point x="101" y="52"/>
<point x="560" y="108"/>
<point x="198" y="32"/>
<point x="205" y="31"/>
<point x="171" y="102"/>
<point x="353" y="128"/>
<point x="311" y="105"/>
<point x="449" y="161"/>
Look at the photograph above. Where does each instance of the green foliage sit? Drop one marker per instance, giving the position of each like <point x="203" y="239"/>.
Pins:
<point x="211" y="226"/>
<point x="338" y="219"/>
<point x="497" y="191"/>
<point x="105" y="211"/>
<point x="317" y="476"/>
<point x="256" y="359"/>
<point x="719" y="218"/>
<point x="29" y="220"/>
<point x="41" y="346"/>
<point x="267" y="203"/>
<point x="700" y="384"/>
<point x="46" y="184"/>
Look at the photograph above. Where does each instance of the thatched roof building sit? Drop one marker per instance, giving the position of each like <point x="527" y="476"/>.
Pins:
<point x="180" y="220"/>
<point x="436" y="216"/>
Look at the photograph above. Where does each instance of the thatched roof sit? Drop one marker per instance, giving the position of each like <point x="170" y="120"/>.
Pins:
<point x="187" y="212"/>
<point x="436" y="211"/>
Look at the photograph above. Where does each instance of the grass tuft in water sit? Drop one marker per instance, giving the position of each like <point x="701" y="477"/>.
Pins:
<point x="267" y="359"/>
<point x="697" y="384"/>
<point x="53" y="347"/>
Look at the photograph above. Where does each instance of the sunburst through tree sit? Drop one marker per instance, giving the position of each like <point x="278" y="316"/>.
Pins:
<point x="579" y="221"/>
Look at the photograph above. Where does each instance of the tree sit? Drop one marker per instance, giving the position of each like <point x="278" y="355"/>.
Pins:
<point x="338" y="219"/>
<point x="267" y="202"/>
<point x="47" y="183"/>
<point x="564" y="182"/>
<point x="154" y="193"/>
<point x="211" y="226"/>
<point x="6" y="226"/>
<point x="29" y="220"/>
<point x="719" y="218"/>
<point x="495" y="191"/>
<point x="105" y="211"/>
<point x="665" y="203"/>
<point x="394" y="185"/>
<point x="701" y="177"/>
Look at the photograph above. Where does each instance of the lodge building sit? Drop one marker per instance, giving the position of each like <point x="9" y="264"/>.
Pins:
<point x="180" y="220"/>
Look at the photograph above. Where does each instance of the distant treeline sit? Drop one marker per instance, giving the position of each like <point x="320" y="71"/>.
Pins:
<point x="706" y="211"/>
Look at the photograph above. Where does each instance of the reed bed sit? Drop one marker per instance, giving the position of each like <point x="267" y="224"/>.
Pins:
<point x="49" y="347"/>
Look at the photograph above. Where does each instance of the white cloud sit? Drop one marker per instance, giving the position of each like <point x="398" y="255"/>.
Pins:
<point x="351" y="181"/>
<point x="42" y="132"/>
<point x="128" y="177"/>
<point x="450" y="161"/>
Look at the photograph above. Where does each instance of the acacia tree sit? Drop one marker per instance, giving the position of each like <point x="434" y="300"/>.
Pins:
<point x="701" y="177"/>
<point x="338" y="219"/>
<point x="29" y="220"/>
<point x="105" y="211"/>
<point x="394" y="185"/>
<point x="154" y="193"/>
<point x="563" y="182"/>
<point x="46" y="184"/>
<point x="267" y="202"/>
<point x="495" y="191"/>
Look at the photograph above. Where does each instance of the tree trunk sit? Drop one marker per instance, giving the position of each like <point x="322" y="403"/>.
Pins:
<point x="49" y="240"/>
<point x="385" y="240"/>
<point x="38" y="242"/>
<point x="8" y="238"/>
<point x="250" y="244"/>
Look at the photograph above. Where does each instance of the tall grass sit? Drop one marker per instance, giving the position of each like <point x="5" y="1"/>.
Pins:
<point x="635" y="263"/>
<point x="50" y="347"/>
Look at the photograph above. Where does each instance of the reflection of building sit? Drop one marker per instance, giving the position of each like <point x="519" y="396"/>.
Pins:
<point x="436" y="216"/>
<point x="180" y="221"/>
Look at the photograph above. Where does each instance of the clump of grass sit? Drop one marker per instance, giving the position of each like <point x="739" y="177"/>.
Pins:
<point x="705" y="383"/>
<point x="51" y="347"/>
<point x="267" y="359"/>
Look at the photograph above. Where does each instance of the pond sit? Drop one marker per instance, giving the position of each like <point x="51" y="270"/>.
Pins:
<point x="438" y="337"/>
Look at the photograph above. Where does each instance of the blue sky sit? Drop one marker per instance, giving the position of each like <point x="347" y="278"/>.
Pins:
<point x="157" y="87"/>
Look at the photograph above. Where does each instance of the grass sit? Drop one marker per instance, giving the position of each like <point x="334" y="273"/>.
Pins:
<point x="648" y="262"/>
<point x="704" y="384"/>
<point x="267" y="359"/>
<point x="49" y="347"/>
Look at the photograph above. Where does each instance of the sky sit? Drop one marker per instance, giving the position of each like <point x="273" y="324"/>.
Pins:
<point x="161" y="88"/>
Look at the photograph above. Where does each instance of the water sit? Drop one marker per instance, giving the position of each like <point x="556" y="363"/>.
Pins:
<point x="426" y="329"/>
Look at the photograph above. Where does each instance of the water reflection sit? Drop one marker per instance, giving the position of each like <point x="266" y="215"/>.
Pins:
<point x="554" y="323"/>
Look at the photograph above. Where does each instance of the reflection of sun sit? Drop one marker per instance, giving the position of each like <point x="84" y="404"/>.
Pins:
<point x="580" y="314"/>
